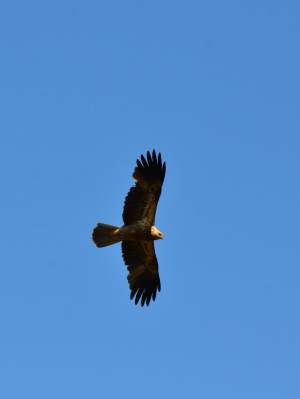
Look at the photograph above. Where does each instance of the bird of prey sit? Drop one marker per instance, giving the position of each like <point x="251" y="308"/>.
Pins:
<point x="139" y="232"/>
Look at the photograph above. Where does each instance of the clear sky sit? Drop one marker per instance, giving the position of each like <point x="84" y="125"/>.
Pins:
<point x="86" y="87"/>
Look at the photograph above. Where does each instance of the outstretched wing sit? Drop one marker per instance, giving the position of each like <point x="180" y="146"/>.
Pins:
<point x="143" y="277"/>
<point x="141" y="200"/>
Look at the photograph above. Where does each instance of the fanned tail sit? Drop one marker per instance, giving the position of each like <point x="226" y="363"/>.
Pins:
<point x="105" y="234"/>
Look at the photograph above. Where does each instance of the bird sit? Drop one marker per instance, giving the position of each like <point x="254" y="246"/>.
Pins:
<point x="138" y="233"/>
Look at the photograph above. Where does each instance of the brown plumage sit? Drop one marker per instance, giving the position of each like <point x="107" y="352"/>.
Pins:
<point x="138" y="232"/>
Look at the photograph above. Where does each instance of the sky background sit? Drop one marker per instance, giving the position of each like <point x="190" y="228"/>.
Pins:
<point x="86" y="87"/>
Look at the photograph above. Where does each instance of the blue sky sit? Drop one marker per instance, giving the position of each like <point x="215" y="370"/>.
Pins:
<point x="85" y="88"/>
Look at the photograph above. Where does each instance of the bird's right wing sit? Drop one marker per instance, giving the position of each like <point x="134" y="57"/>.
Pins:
<point x="141" y="200"/>
<point x="142" y="265"/>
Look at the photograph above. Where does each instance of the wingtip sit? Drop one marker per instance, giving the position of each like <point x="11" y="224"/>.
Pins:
<point x="144" y="162"/>
<point x="149" y="159"/>
<point x="159" y="160"/>
<point x="164" y="168"/>
<point x="154" y="158"/>
<point x="143" y="298"/>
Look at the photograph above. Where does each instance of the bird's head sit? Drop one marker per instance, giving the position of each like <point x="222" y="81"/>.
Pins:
<point x="156" y="234"/>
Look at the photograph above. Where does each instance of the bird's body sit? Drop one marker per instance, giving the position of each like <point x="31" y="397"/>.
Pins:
<point x="139" y="232"/>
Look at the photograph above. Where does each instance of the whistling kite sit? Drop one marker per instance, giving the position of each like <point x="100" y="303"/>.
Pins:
<point x="138" y="233"/>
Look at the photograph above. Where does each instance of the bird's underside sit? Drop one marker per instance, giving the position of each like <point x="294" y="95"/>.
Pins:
<point x="138" y="233"/>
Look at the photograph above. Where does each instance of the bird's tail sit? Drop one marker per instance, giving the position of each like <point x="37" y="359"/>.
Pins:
<point x="105" y="234"/>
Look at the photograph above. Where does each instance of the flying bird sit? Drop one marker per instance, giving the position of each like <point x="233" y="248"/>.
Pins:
<point x="138" y="233"/>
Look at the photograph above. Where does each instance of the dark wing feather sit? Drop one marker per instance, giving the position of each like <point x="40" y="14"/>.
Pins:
<point x="141" y="200"/>
<point x="142" y="265"/>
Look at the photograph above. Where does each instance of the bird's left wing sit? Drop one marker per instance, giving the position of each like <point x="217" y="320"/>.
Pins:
<point x="142" y="265"/>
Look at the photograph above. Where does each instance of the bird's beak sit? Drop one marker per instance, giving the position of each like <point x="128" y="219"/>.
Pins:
<point x="156" y="234"/>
